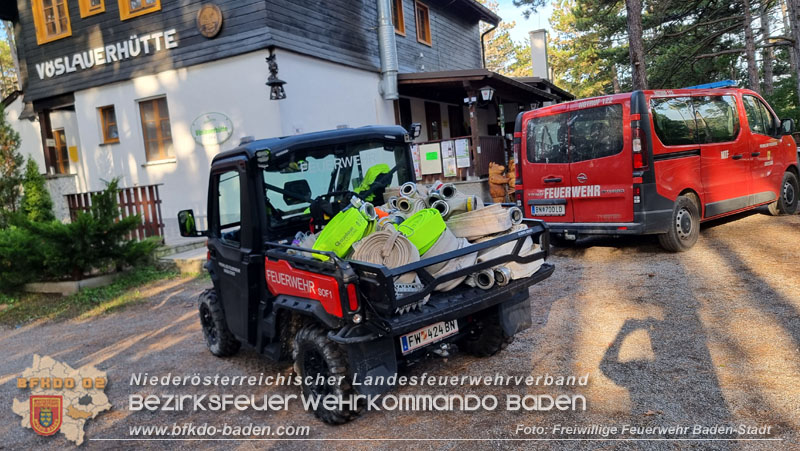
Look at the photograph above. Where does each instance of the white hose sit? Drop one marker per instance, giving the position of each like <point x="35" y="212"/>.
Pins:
<point x="478" y="223"/>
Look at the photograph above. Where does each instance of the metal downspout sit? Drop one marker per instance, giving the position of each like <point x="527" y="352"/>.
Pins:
<point x="388" y="51"/>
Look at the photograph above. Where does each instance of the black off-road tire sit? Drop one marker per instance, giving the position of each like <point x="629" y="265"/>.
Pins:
<point x="219" y="339"/>
<point x="486" y="338"/>
<point x="684" y="229"/>
<point x="314" y="353"/>
<point x="787" y="200"/>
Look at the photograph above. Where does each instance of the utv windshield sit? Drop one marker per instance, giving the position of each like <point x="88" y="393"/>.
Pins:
<point x="331" y="174"/>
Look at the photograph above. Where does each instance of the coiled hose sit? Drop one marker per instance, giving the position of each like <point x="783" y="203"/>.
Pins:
<point x="478" y="223"/>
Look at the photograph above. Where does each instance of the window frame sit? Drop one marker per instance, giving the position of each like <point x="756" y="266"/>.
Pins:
<point x="61" y="163"/>
<point x="87" y="9"/>
<point x="126" y="13"/>
<point x="105" y="125"/>
<point x="162" y="155"/>
<point x="419" y="6"/>
<point x="42" y="36"/>
<point x="399" y="20"/>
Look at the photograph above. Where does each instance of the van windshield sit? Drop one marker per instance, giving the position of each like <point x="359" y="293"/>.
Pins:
<point x="297" y="177"/>
<point x="575" y="136"/>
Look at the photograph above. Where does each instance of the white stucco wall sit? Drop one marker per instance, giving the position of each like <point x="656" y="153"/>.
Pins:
<point x="320" y="96"/>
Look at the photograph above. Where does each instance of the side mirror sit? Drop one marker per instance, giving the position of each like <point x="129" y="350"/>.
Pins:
<point x="188" y="225"/>
<point x="416" y="129"/>
<point x="787" y="126"/>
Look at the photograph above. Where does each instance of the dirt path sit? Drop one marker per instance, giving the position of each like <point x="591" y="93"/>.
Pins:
<point x="708" y="337"/>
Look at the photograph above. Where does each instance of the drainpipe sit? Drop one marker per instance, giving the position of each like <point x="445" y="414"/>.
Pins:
<point x="388" y="51"/>
<point x="483" y="46"/>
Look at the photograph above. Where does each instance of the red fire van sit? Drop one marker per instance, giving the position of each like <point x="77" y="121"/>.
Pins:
<point x="654" y="162"/>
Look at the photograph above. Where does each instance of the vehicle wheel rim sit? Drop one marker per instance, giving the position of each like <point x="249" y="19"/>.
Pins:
<point x="683" y="223"/>
<point x="314" y="365"/>
<point x="208" y="326"/>
<point x="788" y="193"/>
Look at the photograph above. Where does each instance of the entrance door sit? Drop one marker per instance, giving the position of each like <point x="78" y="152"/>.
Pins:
<point x="545" y="168"/>
<point x="433" y="121"/>
<point x="228" y="244"/>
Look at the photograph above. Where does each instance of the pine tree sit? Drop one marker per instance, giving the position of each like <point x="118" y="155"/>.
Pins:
<point x="36" y="203"/>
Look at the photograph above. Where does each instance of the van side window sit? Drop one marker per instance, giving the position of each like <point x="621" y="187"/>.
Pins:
<point x="546" y="139"/>
<point x="717" y="119"/>
<point x="229" y="208"/>
<point x="674" y="121"/>
<point x="595" y="133"/>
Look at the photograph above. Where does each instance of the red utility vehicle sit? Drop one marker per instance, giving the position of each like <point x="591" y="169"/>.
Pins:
<point x="654" y="162"/>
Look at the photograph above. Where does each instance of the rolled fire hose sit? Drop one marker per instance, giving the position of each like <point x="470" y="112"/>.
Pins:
<point x="410" y="205"/>
<point x="478" y="223"/>
<point x="391" y="248"/>
<point x="423" y="228"/>
<point x="411" y="189"/>
<point x="347" y="227"/>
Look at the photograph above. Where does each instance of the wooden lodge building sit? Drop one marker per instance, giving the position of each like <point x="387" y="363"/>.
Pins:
<point x="150" y="90"/>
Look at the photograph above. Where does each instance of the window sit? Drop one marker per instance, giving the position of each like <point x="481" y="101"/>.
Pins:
<point x="229" y="207"/>
<point x="578" y="136"/>
<point x="717" y="118"/>
<point x="397" y="17"/>
<point x="51" y="19"/>
<point x="108" y="122"/>
<point x="61" y="161"/>
<point x="91" y="7"/>
<point x="423" y="24"/>
<point x="759" y="117"/>
<point x="156" y="129"/>
<point x="129" y="9"/>
<point x="547" y="139"/>
<point x="674" y="121"/>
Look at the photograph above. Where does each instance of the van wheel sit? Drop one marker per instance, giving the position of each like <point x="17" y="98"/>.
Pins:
<point x="684" y="229"/>
<point x="486" y="338"/>
<point x="219" y="339"/>
<point x="317" y="357"/>
<point x="787" y="200"/>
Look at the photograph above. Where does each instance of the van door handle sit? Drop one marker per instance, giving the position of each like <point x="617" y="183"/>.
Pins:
<point x="552" y="180"/>
<point x="755" y="154"/>
<point x="738" y="156"/>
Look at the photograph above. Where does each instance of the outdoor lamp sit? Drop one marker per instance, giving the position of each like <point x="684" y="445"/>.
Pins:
<point x="487" y="92"/>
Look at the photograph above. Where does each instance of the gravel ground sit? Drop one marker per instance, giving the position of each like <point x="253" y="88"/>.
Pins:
<point x="707" y="337"/>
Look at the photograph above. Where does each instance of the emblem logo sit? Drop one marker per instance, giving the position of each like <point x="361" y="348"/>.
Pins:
<point x="582" y="177"/>
<point x="46" y="414"/>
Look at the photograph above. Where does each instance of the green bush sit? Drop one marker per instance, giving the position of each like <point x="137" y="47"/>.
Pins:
<point x="21" y="258"/>
<point x="94" y="240"/>
<point x="36" y="202"/>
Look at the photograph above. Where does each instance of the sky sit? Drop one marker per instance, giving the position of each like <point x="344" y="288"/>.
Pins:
<point x="510" y="13"/>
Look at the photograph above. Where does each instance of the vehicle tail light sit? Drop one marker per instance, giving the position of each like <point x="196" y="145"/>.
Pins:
<point x="637" y="194"/>
<point x="352" y="297"/>
<point x="639" y="143"/>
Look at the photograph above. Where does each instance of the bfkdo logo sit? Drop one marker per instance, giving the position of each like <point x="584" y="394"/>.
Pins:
<point x="46" y="414"/>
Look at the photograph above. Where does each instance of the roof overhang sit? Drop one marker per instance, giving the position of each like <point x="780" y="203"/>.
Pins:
<point x="451" y="86"/>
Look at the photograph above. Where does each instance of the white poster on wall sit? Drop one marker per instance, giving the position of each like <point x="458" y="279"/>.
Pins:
<point x="462" y="153"/>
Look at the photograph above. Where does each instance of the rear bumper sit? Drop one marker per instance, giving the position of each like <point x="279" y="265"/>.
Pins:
<point x="644" y="223"/>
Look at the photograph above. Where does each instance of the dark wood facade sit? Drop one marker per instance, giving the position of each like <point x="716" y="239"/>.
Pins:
<point x="342" y="31"/>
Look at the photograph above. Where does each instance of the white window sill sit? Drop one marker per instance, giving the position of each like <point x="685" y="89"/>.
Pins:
<point x="160" y="162"/>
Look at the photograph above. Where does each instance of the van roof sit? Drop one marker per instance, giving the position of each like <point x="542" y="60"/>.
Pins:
<point x="621" y="97"/>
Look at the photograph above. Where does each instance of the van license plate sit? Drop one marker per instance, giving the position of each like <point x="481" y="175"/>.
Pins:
<point x="549" y="210"/>
<point x="427" y="335"/>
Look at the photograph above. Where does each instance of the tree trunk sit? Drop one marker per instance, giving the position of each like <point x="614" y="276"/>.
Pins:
<point x="794" y="9"/>
<point x="635" y="44"/>
<point x="768" y="54"/>
<point x="750" y="48"/>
